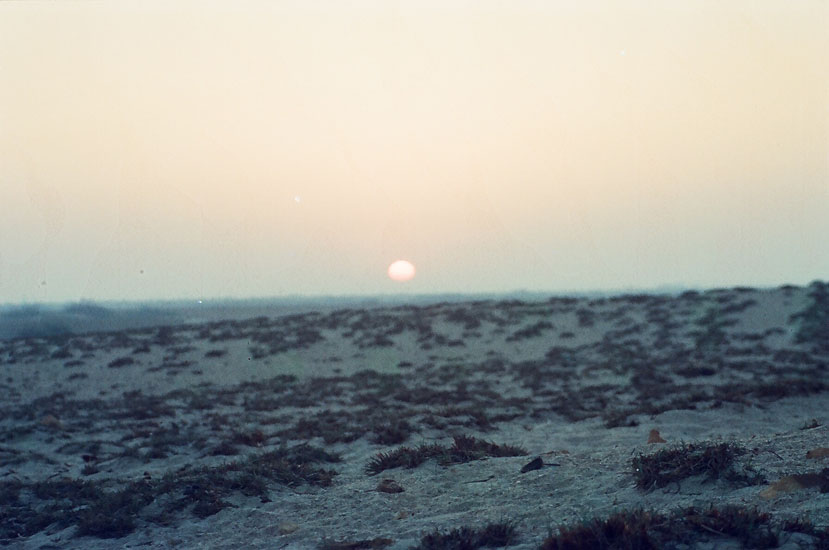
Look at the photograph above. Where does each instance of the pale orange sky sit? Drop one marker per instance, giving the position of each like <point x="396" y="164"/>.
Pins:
<point x="157" y="150"/>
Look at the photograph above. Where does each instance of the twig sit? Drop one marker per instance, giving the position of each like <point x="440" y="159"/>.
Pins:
<point x="711" y="530"/>
<point x="481" y="480"/>
<point x="775" y="454"/>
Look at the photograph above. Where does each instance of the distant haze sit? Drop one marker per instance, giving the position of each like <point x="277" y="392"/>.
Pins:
<point x="165" y="150"/>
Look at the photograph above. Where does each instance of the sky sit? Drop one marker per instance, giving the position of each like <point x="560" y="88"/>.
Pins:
<point x="195" y="150"/>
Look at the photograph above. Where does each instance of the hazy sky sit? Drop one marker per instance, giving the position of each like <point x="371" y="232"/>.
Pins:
<point x="194" y="150"/>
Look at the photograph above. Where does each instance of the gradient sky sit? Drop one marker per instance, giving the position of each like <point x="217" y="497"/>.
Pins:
<point x="196" y="150"/>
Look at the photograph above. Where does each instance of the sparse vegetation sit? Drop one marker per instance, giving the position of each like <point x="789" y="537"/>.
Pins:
<point x="463" y="449"/>
<point x="673" y="465"/>
<point x="493" y="535"/>
<point x="645" y="530"/>
<point x="103" y="513"/>
<point x="813" y="321"/>
<point x="121" y="362"/>
<point x="677" y="358"/>
<point x="532" y="331"/>
<point x="710" y="333"/>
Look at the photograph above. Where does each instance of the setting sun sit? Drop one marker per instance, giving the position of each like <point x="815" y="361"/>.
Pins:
<point x="401" y="271"/>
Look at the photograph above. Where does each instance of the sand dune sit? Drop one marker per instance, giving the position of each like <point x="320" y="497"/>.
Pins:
<point x="279" y="431"/>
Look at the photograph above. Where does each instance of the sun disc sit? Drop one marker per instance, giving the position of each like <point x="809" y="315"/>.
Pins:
<point x="401" y="271"/>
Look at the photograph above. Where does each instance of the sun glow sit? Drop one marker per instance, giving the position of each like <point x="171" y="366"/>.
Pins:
<point x="401" y="271"/>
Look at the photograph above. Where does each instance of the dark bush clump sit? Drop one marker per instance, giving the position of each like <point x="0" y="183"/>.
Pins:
<point x="463" y="449"/>
<point x="121" y="362"/>
<point x="675" y="464"/>
<point x="465" y="538"/>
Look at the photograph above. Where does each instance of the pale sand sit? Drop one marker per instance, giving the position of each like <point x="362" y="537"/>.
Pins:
<point x="604" y="372"/>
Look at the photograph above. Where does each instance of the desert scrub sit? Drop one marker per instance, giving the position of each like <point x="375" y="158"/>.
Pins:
<point x="464" y="449"/>
<point x="620" y="530"/>
<point x="673" y="465"/>
<point x="710" y="334"/>
<point x="392" y="432"/>
<point x="813" y="321"/>
<point x="368" y="544"/>
<point x="531" y="331"/>
<point x="332" y="427"/>
<point x="650" y="530"/>
<point x="30" y="508"/>
<point x="97" y="511"/>
<point x="494" y="535"/>
<point x="121" y="362"/>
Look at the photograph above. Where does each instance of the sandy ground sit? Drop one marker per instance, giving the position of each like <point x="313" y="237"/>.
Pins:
<point x="578" y="382"/>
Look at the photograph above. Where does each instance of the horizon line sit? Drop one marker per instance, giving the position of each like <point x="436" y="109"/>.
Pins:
<point x="666" y="289"/>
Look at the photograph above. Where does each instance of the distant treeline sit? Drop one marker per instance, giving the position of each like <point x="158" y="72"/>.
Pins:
<point x="37" y="321"/>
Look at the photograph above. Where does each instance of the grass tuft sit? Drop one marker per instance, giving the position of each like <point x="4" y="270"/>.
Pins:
<point x="465" y="538"/>
<point x="622" y="531"/>
<point x="676" y="464"/>
<point x="464" y="449"/>
<point x="647" y="530"/>
<point x="102" y="513"/>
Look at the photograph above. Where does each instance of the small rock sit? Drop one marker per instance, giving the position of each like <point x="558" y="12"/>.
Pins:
<point x="820" y="452"/>
<point x="654" y="437"/>
<point x="389" y="486"/>
<point x="793" y="483"/>
<point x="287" y="527"/>
<point x="534" y="464"/>
<point x="52" y="422"/>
